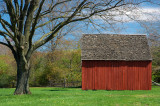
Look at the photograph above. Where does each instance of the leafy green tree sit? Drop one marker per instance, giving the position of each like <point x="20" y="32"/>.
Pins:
<point x="7" y="72"/>
<point x="156" y="63"/>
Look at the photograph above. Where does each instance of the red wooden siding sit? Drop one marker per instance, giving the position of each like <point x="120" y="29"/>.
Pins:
<point x="116" y="75"/>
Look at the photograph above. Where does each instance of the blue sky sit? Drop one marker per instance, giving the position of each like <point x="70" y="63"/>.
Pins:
<point x="146" y="13"/>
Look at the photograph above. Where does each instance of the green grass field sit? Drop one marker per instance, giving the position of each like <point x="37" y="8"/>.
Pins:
<point x="75" y="97"/>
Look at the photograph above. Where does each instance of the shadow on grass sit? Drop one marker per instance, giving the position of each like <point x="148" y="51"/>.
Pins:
<point x="6" y="95"/>
<point x="55" y="90"/>
<point x="75" y="87"/>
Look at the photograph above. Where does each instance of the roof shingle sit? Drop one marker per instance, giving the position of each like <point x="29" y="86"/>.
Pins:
<point x="115" y="47"/>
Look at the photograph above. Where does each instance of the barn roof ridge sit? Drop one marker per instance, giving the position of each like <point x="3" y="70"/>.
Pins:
<point x="115" y="47"/>
<point x="115" y="34"/>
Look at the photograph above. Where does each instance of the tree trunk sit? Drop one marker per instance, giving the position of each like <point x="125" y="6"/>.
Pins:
<point x="23" y="71"/>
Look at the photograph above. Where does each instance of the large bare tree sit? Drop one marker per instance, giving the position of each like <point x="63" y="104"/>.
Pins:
<point x="22" y="20"/>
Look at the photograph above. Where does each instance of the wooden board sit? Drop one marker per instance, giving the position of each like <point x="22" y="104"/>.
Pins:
<point x="116" y="75"/>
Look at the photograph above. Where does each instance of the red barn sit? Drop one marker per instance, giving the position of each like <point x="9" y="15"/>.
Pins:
<point x="116" y="62"/>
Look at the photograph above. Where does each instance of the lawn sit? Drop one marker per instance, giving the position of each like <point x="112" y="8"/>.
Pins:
<point x="75" y="96"/>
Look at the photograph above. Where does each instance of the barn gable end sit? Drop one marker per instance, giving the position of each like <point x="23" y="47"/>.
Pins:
<point x="116" y="62"/>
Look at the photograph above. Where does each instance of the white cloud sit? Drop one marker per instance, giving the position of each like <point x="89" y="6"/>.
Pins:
<point x="130" y="15"/>
<point x="146" y="14"/>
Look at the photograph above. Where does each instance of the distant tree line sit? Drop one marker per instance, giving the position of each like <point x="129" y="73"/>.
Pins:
<point x="156" y="63"/>
<point x="61" y="65"/>
<point x="47" y="67"/>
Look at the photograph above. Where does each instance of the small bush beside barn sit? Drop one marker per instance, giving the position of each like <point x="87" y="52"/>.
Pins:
<point x="116" y="62"/>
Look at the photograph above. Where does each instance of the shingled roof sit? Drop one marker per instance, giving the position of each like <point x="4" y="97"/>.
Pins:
<point x="115" y="47"/>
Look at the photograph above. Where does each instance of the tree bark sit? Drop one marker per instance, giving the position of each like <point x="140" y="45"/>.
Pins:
<point x="23" y="71"/>
<point x="155" y="83"/>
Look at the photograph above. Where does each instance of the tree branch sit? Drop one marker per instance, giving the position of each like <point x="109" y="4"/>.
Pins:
<point x="9" y="46"/>
<point x="52" y="7"/>
<point x="11" y="12"/>
<point x="6" y="23"/>
<point x="9" y="33"/>
<point x="35" y="22"/>
<point x="22" y="14"/>
<point x="41" y="25"/>
<point x="5" y="44"/>
<point x="16" y="8"/>
<point x="3" y="25"/>
<point x="21" y="6"/>
<point x="58" y="27"/>
<point x="5" y="33"/>
<point x="33" y="6"/>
